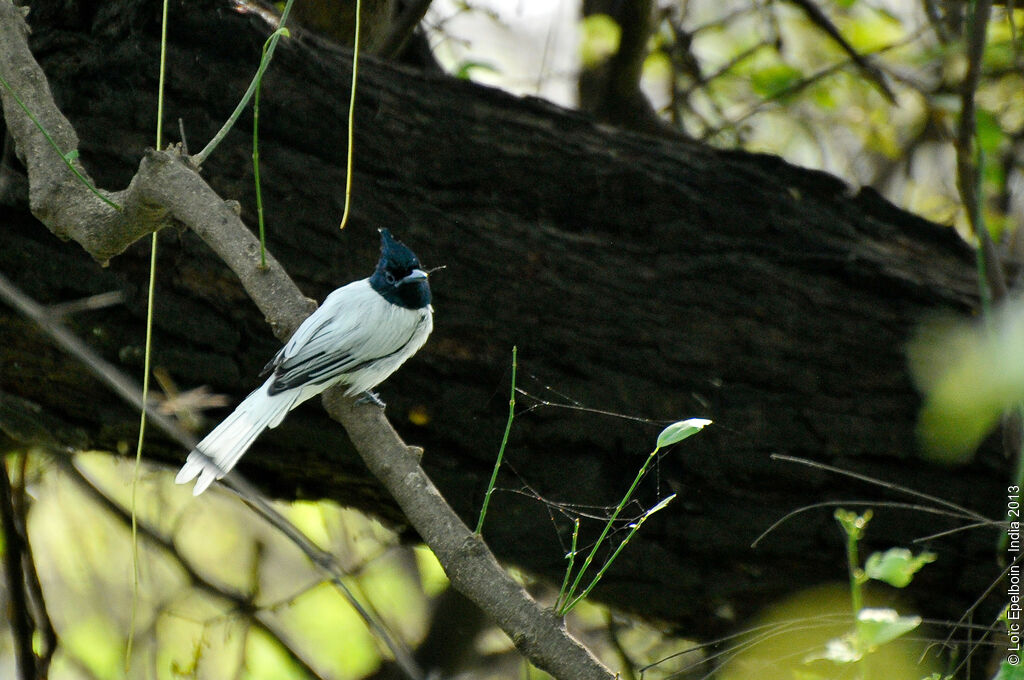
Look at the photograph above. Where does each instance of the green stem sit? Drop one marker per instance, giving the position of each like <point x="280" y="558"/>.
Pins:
<point x="201" y="157"/>
<point x="853" y="564"/>
<point x="501" y="449"/>
<point x="351" y="127"/>
<point x="572" y="560"/>
<point x="256" y="151"/>
<point x="66" y="157"/>
<point x="608" y="525"/>
<point x="147" y="358"/>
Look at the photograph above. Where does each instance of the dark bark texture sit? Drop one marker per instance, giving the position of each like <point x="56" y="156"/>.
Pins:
<point x="636" y="275"/>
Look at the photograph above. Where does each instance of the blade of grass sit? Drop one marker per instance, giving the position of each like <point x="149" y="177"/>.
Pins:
<point x="501" y="449"/>
<point x="608" y="563"/>
<point x="572" y="560"/>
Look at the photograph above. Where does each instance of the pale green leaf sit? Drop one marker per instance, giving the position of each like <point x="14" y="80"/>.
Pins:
<point x="875" y="627"/>
<point x="677" y="432"/>
<point x="599" y="40"/>
<point x="896" y="566"/>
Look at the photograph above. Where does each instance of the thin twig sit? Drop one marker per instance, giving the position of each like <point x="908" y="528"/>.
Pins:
<point x="122" y="385"/>
<point x="128" y="390"/>
<point x="870" y="69"/>
<point x="402" y="28"/>
<point x="22" y="627"/>
<point x="241" y="603"/>
<point x="968" y="177"/>
<point x="40" y="614"/>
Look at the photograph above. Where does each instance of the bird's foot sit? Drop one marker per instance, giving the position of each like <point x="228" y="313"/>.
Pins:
<point x="369" y="397"/>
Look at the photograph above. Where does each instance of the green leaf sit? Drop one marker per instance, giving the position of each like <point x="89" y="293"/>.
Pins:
<point x="775" y="79"/>
<point x="71" y="155"/>
<point x="1008" y="671"/>
<point x="969" y="374"/>
<point x="660" y="506"/>
<point x="896" y="566"/>
<point x="989" y="132"/>
<point x="599" y="40"/>
<point x="875" y="627"/>
<point x="464" y="69"/>
<point x="677" y="432"/>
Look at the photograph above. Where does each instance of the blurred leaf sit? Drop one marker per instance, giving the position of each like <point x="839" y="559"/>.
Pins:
<point x="677" y="432"/>
<point x="96" y="642"/>
<point x="871" y="30"/>
<point x="896" y="566"/>
<point x="432" y="577"/>
<point x="990" y="132"/>
<point x="264" y="658"/>
<point x="769" y="82"/>
<point x="969" y="375"/>
<point x="999" y="55"/>
<point x="464" y="69"/>
<point x="599" y="40"/>
<point x="876" y="627"/>
<point x="1008" y="671"/>
<point x="321" y="619"/>
<point x="658" y="67"/>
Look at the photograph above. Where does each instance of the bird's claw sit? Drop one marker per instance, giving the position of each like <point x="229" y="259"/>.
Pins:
<point x="370" y="397"/>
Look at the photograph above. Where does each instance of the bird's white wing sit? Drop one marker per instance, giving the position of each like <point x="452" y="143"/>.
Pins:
<point x="354" y="328"/>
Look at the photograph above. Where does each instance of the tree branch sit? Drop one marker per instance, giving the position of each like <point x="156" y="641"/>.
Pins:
<point x="402" y="28"/>
<point x="166" y="186"/>
<point x="869" y="68"/>
<point x="241" y="603"/>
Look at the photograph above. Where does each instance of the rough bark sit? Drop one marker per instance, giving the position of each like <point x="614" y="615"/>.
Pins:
<point x="636" y="275"/>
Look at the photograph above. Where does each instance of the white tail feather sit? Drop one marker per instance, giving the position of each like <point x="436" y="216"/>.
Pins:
<point x="223" y="447"/>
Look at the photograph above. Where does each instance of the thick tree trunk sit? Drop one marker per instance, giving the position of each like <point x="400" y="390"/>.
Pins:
<point x="636" y="275"/>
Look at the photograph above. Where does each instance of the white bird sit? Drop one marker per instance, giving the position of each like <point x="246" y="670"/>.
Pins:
<point x="358" y="337"/>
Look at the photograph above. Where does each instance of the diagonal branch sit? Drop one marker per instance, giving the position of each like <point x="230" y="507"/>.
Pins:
<point x="870" y="69"/>
<point x="166" y="186"/>
<point x="240" y="602"/>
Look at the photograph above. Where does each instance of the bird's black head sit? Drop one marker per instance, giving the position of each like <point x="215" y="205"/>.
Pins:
<point x="398" y="277"/>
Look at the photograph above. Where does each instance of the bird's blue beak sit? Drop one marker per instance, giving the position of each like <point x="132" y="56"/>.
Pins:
<point x="414" y="275"/>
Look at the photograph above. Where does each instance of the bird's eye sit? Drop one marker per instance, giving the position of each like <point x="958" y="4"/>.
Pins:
<point x="390" y="278"/>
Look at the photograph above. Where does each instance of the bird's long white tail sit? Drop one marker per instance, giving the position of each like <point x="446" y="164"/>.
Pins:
<point x="223" y="447"/>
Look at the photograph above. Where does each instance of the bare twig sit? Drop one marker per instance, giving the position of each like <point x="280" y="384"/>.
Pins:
<point x="870" y="69"/>
<point x="241" y="603"/>
<point x="40" y="614"/>
<point x="967" y="152"/>
<point x="402" y="28"/>
<point x="121" y="384"/>
<point x="128" y="390"/>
